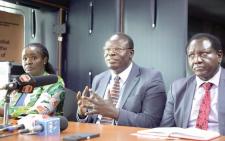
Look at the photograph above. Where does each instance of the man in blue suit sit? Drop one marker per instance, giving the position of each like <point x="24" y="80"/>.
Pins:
<point x="186" y="103"/>
<point x="141" y="91"/>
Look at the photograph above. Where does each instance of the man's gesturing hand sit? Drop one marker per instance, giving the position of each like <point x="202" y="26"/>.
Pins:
<point x="101" y="106"/>
<point x="81" y="101"/>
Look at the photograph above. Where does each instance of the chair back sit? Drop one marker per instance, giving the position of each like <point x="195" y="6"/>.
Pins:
<point x="70" y="105"/>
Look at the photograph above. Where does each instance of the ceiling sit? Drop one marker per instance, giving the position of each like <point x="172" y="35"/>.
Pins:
<point x="210" y="10"/>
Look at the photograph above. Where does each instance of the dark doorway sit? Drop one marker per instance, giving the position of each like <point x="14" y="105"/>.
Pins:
<point x="207" y="16"/>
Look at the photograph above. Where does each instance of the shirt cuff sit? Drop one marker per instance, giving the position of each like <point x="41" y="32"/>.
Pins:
<point x="83" y="120"/>
<point x="116" y="122"/>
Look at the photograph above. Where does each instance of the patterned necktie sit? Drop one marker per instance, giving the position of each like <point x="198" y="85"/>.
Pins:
<point x="114" y="92"/>
<point x="203" y="115"/>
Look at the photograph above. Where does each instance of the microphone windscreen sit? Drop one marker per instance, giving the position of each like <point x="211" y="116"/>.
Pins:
<point x="45" y="79"/>
<point x="63" y="123"/>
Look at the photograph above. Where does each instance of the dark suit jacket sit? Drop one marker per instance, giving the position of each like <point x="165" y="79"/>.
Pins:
<point x="143" y="99"/>
<point x="179" y="103"/>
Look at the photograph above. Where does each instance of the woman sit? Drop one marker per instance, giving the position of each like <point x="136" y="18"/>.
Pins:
<point x="46" y="99"/>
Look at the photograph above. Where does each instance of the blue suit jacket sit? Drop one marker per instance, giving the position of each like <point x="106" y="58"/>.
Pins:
<point x="179" y="103"/>
<point x="143" y="100"/>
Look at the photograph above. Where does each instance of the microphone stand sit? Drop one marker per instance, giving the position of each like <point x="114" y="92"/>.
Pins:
<point x="9" y="88"/>
<point x="6" y="108"/>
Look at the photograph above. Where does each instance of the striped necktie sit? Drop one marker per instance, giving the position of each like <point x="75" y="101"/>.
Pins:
<point x="114" y="92"/>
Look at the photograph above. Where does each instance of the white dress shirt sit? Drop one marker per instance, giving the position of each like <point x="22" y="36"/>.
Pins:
<point x="199" y="93"/>
<point x="123" y="78"/>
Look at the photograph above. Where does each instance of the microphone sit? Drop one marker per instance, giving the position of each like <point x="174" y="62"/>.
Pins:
<point x="26" y="83"/>
<point x="12" y="128"/>
<point x="48" y="126"/>
<point x="63" y="123"/>
<point x="25" y="122"/>
<point x="30" y="120"/>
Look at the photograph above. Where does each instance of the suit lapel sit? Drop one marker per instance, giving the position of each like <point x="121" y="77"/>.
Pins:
<point x="103" y="84"/>
<point x="188" y="99"/>
<point x="130" y="83"/>
<point x="221" y="102"/>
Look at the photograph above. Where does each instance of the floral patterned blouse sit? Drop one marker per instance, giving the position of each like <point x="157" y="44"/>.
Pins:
<point x="47" y="100"/>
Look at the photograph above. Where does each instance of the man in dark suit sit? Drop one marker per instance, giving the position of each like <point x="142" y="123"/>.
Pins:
<point x="141" y="99"/>
<point x="190" y="104"/>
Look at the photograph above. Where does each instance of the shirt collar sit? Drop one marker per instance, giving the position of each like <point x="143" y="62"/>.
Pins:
<point x="124" y="74"/>
<point x="45" y="73"/>
<point x="215" y="79"/>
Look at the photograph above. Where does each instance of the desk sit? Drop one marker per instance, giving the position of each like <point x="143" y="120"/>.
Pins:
<point x="107" y="133"/>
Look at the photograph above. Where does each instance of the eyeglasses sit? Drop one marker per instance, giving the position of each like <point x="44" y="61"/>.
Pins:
<point x="115" y="49"/>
